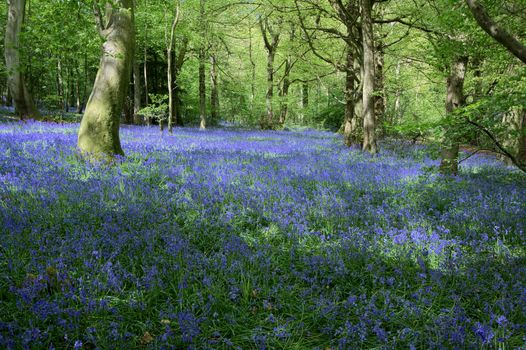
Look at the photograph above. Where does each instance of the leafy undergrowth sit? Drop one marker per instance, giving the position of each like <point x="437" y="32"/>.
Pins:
<point x="251" y="240"/>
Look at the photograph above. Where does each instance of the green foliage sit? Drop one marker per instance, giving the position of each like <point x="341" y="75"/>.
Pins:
<point x="157" y="109"/>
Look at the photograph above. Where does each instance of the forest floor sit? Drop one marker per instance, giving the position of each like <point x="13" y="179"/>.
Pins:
<point x="255" y="240"/>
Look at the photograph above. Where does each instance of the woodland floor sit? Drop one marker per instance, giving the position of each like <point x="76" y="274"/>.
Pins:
<point x="255" y="240"/>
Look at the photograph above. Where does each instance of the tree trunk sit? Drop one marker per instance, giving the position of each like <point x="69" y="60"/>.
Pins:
<point x="145" y="72"/>
<point x="170" y="66"/>
<point x="284" y="92"/>
<point x="252" y="68"/>
<point x="78" y="94"/>
<point x="379" y="98"/>
<point x="397" y="115"/>
<point x="8" y="97"/>
<point x="202" y="58"/>
<point x="202" y="89"/>
<point x="270" y="89"/>
<point x="521" y="154"/>
<point x="214" y="92"/>
<point x="369" y="121"/>
<point x="60" y="85"/>
<point x="271" y="45"/>
<point x="171" y="71"/>
<point x="178" y="65"/>
<point x="24" y="105"/>
<point x="99" y="129"/>
<point x="137" y="92"/>
<point x="454" y="100"/>
<point x="349" y="127"/>
<point x="305" y="95"/>
<point x="357" y="122"/>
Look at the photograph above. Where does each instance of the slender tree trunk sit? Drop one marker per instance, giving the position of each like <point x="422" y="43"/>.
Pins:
<point x="137" y="92"/>
<point x="398" y="94"/>
<point x="214" y="91"/>
<point x="369" y="120"/>
<point x="24" y="105"/>
<point x="357" y="122"/>
<point x="202" y="62"/>
<point x="202" y="89"/>
<point x="253" y="69"/>
<point x="170" y="71"/>
<point x="454" y="100"/>
<point x="179" y="60"/>
<point x="349" y="127"/>
<point x="60" y="84"/>
<point x="271" y="44"/>
<point x="379" y="98"/>
<point x="284" y="92"/>
<point x="99" y="129"/>
<point x="78" y="94"/>
<point x="521" y="154"/>
<point x="170" y="66"/>
<point x="270" y="89"/>
<point x="8" y="97"/>
<point x="304" y="95"/>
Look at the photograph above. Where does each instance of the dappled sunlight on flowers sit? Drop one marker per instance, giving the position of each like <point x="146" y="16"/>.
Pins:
<point x="255" y="240"/>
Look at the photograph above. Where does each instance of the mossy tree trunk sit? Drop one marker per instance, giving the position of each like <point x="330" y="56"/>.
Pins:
<point x="99" y="129"/>
<point x="24" y="105"/>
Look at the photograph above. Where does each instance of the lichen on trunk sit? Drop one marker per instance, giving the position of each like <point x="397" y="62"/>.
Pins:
<point x="99" y="129"/>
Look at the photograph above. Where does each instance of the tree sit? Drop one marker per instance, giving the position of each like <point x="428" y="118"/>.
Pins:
<point x="24" y="105"/>
<point x="99" y="129"/>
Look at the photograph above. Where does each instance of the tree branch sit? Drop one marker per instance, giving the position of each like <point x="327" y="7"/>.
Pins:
<point x="500" y="147"/>
<point x="500" y="35"/>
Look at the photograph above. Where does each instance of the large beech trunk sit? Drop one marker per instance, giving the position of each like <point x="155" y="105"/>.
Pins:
<point x="99" y="129"/>
<point x="24" y="105"/>
<point x="369" y="121"/>
<point x="454" y="100"/>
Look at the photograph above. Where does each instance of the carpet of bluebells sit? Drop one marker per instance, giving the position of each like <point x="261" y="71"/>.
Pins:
<point x="255" y="240"/>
